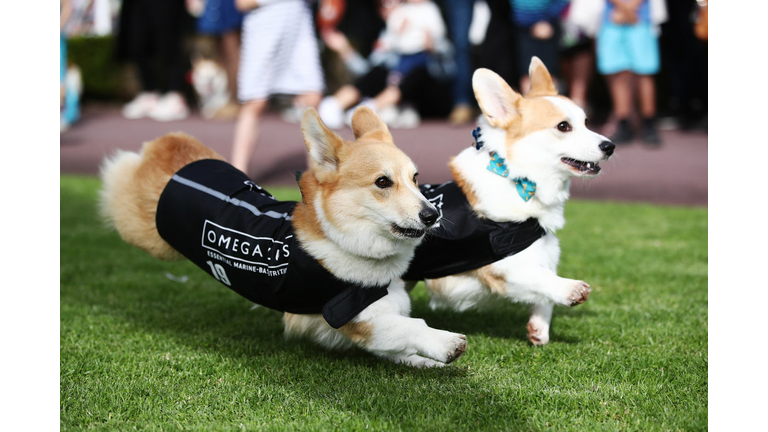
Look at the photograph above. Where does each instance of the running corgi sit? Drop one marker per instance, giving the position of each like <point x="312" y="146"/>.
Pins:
<point x="501" y="212"/>
<point x="332" y="262"/>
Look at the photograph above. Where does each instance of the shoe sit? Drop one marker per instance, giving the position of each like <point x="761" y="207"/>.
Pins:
<point x="408" y="118"/>
<point x="170" y="107"/>
<point x="389" y="115"/>
<point x="623" y="134"/>
<point x="141" y="105"/>
<point x="649" y="134"/>
<point x="331" y="112"/>
<point x="460" y="115"/>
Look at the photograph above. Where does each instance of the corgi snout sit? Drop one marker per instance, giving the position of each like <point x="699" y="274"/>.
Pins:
<point x="607" y="147"/>
<point x="428" y="215"/>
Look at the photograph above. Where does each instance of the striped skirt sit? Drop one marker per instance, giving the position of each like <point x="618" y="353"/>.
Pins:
<point x="279" y="52"/>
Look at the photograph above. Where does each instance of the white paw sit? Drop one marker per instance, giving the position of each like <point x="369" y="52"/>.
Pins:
<point x="576" y="292"/>
<point x="538" y="332"/>
<point x="444" y="346"/>
<point x="417" y="361"/>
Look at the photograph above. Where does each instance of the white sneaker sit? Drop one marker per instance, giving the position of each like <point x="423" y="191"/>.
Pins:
<point x="389" y="115"/>
<point x="408" y="118"/>
<point x="170" y="107"/>
<point x="141" y="105"/>
<point x="331" y="112"/>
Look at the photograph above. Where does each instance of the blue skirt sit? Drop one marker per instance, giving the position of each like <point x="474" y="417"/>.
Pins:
<point x="219" y="16"/>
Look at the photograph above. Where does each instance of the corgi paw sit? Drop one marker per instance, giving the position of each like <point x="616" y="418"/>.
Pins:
<point x="417" y="361"/>
<point x="538" y="334"/>
<point x="447" y="347"/>
<point x="579" y="293"/>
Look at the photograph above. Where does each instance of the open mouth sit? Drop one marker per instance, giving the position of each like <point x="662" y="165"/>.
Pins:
<point x="589" y="168"/>
<point x="408" y="232"/>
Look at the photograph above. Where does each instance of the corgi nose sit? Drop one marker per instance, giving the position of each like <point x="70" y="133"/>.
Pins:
<point x="428" y="215"/>
<point x="607" y="147"/>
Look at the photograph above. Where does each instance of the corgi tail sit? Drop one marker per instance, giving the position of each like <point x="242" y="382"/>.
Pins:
<point x="132" y="184"/>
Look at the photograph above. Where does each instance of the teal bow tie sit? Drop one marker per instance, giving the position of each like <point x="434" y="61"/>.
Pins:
<point x="525" y="188"/>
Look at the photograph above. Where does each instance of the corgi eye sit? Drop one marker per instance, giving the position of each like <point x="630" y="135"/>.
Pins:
<point x="415" y="179"/>
<point x="564" y="126"/>
<point x="586" y="122"/>
<point x="383" y="182"/>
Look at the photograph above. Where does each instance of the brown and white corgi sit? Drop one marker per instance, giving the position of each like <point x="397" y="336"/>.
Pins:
<point x="519" y="170"/>
<point x="360" y="219"/>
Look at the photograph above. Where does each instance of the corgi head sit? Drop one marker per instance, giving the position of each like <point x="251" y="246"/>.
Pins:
<point x="543" y="134"/>
<point x="363" y="193"/>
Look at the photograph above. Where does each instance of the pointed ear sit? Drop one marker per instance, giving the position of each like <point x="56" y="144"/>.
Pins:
<point x="322" y="143"/>
<point x="541" y="81"/>
<point x="366" y="123"/>
<point x="496" y="98"/>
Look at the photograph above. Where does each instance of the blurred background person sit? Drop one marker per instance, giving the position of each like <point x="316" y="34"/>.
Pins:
<point x="222" y="20"/>
<point x="408" y="74"/>
<point x="628" y="54"/>
<point x="150" y="35"/>
<point x="577" y="56"/>
<point x="538" y="34"/>
<point x="279" y="55"/>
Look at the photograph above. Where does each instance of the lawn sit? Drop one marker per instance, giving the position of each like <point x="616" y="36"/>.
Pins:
<point x="142" y="347"/>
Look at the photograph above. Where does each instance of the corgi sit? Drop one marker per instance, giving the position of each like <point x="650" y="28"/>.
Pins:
<point x="331" y="262"/>
<point x="506" y="202"/>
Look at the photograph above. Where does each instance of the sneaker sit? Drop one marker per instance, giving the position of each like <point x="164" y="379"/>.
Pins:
<point x="389" y="115"/>
<point x="331" y="112"/>
<point x="650" y="135"/>
<point x="141" y="105"/>
<point x="408" y="118"/>
<point x="460" y="115"/>
<point x="170" y="107"/>
<point x="623" y="134"/>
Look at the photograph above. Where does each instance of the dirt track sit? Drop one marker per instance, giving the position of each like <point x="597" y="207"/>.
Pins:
<point x="674" y="174"/>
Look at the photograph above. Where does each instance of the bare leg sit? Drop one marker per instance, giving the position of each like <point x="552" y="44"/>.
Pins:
<point x="347" y="96"/>
<point x="388" y="97"/>
<point x="246" y="133"/>
<point x="647" y="93"/>
<point x="230" y="47"/>
<point x="621" y="92"/>
<point x="307" y="100"/>
<point x="581" y="73"/>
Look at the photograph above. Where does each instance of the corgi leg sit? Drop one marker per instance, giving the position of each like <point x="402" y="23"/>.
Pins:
<point x="538" y="323"/>
<point x="385" y="330"/>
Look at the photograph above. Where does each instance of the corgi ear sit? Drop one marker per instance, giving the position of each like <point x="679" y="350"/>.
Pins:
<point x="366" y="123"/>
<point x="322" y="143"/>
<point x="496" y="98"/>
<point x="541" y="81"/>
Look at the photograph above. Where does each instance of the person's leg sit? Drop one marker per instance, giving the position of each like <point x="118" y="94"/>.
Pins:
<point x="620" y="85"/>
<point x="647" y="96"/>
<point x="390" y="96"/>
<point x="581" y="74"/>
<point x="459" y="20"/>
<point x="230" y="48"/>
<point x="246" y="133"/>
<point x="347" y="96"/>
<point x="307" y="100"/>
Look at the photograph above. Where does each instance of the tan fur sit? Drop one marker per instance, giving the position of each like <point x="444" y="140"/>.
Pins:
<point x="493" y="280"/>
<point x="464" y="185"/>
<point x="132" y="188"/>
<point x="541" y="81"/>
<point x="358" y="332"/>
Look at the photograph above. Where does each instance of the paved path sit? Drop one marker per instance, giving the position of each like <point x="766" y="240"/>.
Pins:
<point x="674" y="174"/>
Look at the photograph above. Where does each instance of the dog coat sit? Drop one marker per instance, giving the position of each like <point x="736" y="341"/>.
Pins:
<point x="227" y="225"/>
<point x="464" y="241"/>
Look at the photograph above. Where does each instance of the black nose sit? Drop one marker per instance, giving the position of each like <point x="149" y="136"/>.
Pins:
<point x="428" y="215"/>
<point x="607" y="147"/>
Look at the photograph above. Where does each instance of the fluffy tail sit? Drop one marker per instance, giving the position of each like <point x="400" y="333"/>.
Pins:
<point x="132" y="184"/>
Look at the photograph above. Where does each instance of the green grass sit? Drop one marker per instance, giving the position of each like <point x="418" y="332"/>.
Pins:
<point x="139" y="350"/>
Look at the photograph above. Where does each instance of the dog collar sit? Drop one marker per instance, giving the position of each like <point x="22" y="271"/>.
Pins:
<point x="497" y="165"/>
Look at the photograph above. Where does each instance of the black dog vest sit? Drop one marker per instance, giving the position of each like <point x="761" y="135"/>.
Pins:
<point x="464" y="241"/>
<point x="219" y="219"/>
